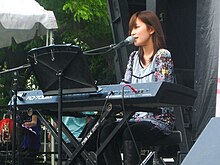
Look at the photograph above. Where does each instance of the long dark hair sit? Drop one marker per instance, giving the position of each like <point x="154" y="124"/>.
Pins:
<point x="151" y="20"/>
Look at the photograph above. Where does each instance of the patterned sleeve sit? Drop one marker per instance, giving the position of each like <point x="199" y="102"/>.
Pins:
<point x="164" y="72"/>
<point x="163" y="66"/>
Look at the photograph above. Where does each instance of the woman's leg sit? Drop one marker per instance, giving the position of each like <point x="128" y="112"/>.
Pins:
<point x="140" y="133"/>
<point x="131" y="153"/>
<point x="145" y="132"/>
<point x="111" y="153"/>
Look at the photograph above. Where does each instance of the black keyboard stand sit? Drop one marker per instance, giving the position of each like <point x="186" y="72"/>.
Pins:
<point x="70" y="136"/>
<point x="80" y="146"/>
<point x="100" y="122"/>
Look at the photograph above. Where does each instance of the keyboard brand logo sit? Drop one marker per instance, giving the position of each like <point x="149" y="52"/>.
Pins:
<point x="40" y="97"/>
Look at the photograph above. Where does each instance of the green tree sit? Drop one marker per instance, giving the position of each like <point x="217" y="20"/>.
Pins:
<point x="80" y="22"/>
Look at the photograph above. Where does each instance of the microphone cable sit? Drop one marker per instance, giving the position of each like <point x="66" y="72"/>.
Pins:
<point x="128" y="126"/>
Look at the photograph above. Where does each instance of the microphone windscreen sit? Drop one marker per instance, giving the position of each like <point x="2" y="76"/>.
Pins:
<point x="130" y="39"/>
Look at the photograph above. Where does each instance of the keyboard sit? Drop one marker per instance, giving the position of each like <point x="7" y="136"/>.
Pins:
<point x="145" y="95"/>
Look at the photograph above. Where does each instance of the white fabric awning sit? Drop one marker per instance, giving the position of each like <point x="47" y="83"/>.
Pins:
<point x="23" y="20"/>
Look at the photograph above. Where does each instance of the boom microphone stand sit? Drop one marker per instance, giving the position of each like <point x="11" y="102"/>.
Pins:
<point x="97" y="50"/>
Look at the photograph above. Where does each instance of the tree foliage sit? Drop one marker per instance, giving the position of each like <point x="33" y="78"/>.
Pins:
<point x="80" y="22"/>
<point x="88" y="10"/>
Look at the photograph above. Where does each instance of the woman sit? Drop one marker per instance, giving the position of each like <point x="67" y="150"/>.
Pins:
<point x="151" y="63"/>
<point x="30" y="145"/>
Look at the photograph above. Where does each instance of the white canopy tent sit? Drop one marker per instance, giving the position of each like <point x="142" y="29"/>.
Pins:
<point x="22" y="20"/>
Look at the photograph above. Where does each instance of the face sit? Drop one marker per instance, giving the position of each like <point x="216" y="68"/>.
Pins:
<point x="142" y="33"/>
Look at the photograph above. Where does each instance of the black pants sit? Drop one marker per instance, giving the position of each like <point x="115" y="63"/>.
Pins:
<point x="28" y="156"/>
<point x="143" y="132"/>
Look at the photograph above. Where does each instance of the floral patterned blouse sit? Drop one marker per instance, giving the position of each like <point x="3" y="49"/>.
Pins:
<point x="160" y="69"/>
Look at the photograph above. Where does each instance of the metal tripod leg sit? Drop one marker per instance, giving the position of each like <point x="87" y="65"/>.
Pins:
<point x="73" y="140"/>
<point x="156" y="159"/>
<point x="82" y="144"/>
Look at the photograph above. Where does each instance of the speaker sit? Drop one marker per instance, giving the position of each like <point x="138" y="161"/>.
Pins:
<point x="206" y="149"/>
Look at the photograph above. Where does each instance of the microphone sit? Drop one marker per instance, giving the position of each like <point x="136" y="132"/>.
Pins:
<point x="129" y="40"/>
